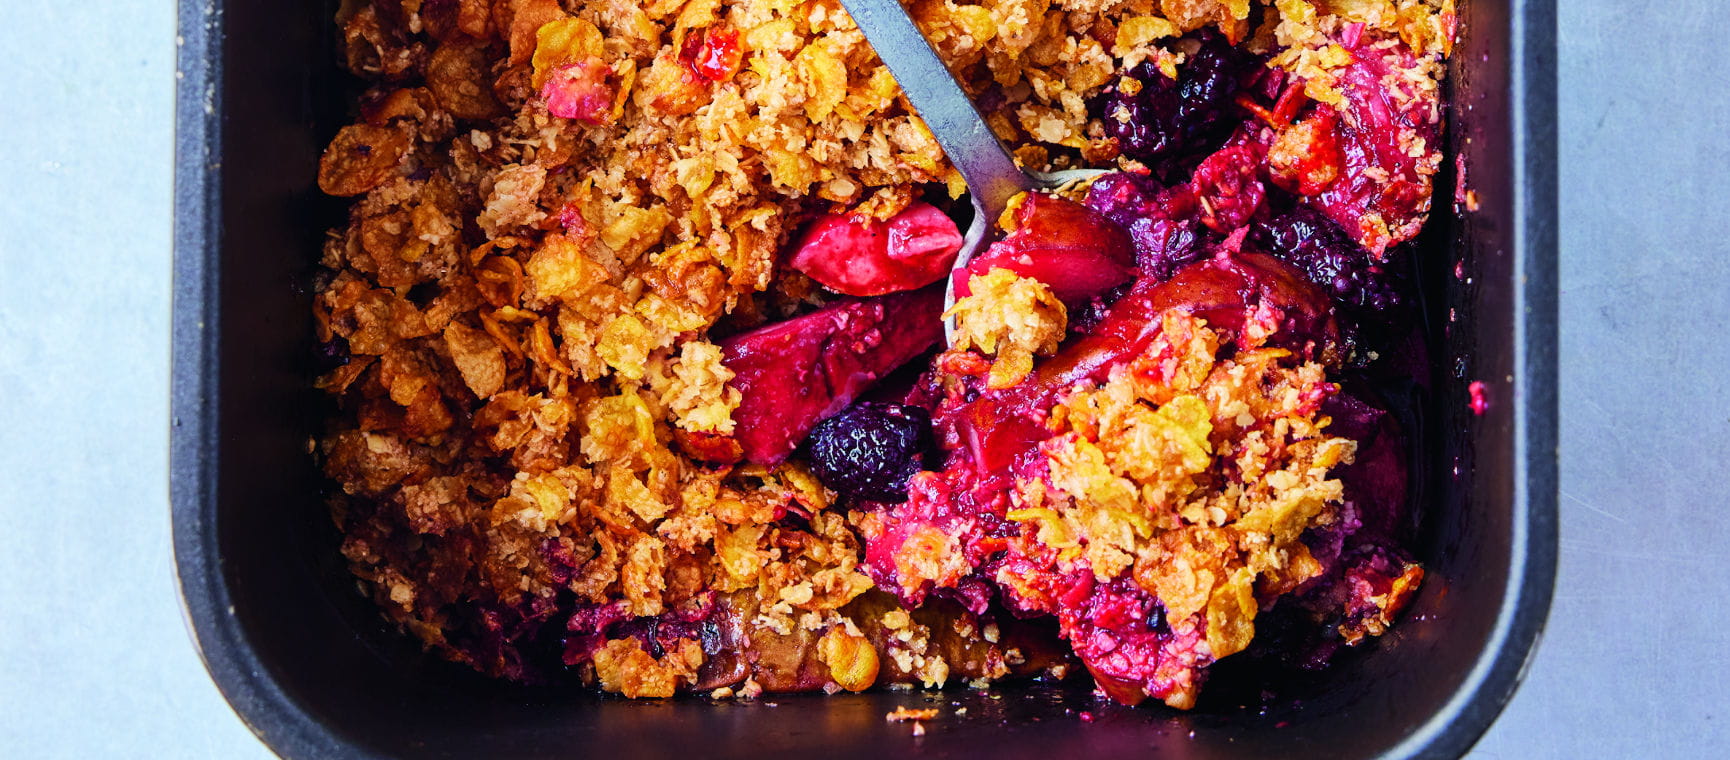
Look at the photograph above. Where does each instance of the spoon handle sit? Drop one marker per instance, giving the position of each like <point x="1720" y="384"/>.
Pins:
<point x="990" y="173"/>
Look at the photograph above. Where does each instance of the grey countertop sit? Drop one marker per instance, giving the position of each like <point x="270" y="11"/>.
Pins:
<point x="95" y="660"/>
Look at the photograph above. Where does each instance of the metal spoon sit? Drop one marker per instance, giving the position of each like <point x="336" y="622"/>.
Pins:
<point x="991" y="175"/>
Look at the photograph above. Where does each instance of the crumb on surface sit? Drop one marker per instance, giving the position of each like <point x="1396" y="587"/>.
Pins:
<point x="902" y="714"/>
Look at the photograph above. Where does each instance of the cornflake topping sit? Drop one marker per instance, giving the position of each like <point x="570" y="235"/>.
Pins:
<point x="1010" y="318"/>
<point x="1192" y="473"/>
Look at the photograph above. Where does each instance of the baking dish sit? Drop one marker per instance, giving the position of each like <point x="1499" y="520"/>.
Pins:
<point x="309" y="666"/>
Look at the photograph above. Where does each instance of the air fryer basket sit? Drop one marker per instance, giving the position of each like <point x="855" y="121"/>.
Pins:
<point x="308" y="666"/>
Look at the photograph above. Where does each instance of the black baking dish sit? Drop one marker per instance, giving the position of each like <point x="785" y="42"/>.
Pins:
<point x="307" y="665"/>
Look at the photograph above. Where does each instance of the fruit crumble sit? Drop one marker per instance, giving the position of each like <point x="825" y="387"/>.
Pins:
<point x="634" y="338"/>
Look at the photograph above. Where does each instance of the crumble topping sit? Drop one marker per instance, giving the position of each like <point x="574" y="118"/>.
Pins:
<point x="1011" y="319"/>
<point x="1194" y="473"/>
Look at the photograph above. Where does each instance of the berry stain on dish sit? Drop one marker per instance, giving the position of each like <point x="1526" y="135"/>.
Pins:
<point x="635" y="337"/>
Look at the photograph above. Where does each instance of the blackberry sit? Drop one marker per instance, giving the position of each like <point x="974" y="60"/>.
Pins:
<point x="1161" y="222"/>
<point x="1310" y="241"/>
<point x="1144" y="124"/>
<point x="870" y="450"/>
<point x="1207" y="85"/>
<point x="1166" y="119"/>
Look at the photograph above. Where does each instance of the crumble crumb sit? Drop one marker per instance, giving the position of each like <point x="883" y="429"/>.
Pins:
<point x="1010" y="318"/>
<point x="902" y="714"/>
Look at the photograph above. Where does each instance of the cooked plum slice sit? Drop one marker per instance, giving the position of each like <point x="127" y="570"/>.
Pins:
<point x="1390" y="138"/>
<point x="860" y="256"/>
<point x="1076" y="251"/>
<point x="1375" y="482"/>
<point x="793" y="374"/>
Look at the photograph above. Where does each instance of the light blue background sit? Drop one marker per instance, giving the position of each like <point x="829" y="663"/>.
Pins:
<point x="94" y="656"/>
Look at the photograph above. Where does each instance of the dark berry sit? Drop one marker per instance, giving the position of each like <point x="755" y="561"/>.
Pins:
<point x="870" y="450"/>
<point x="1156" y="621"/>
<point x="1206" y="86"/>
<point x="1144" y="124"/>
<point x="1310" y="241"/>
<point x="1165" y="119"/>
<point x="332" y="354"/>
<point x="1163" y="223"/>
<point x="1123" y="197"/>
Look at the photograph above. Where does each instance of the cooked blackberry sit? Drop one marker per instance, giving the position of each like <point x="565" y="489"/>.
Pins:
<point x="1165" y="119"/>
<point x="869" y="451"/>
<point x="1310" y="241"/>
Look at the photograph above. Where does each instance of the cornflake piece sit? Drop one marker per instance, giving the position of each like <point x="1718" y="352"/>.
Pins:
<point x="1139" y="30"/>
<point x="559" y="270"/>
<point x="1011" y="318"/>
<point x="477" y="357"/>
<point x="699" y="396"/>
<point x="565" y="42"/>
<point x="360" y="158"/>
<point x="851" y="658"/>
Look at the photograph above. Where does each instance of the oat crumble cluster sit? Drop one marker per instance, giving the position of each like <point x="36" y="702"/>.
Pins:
<point x="634" y="336"/>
